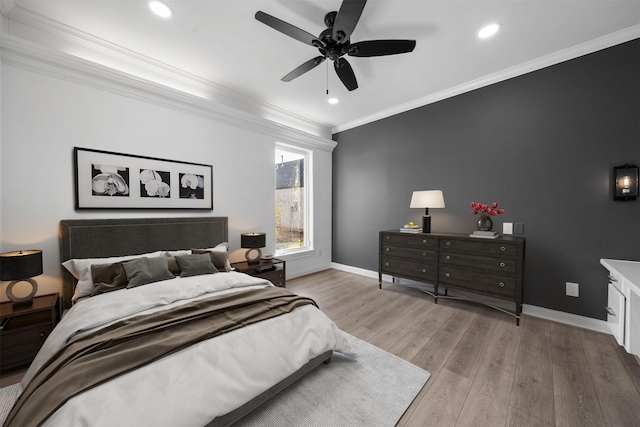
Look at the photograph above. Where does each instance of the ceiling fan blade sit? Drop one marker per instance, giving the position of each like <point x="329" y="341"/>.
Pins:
<point x="345" y="72"/>
<point x="288" y="29"/>
<point x="381" y="47"/>
<point x="347" y="18"/>
<point x="307" y="66"/>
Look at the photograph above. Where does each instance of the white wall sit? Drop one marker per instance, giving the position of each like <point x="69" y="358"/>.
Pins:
<point x="45" y="115"/>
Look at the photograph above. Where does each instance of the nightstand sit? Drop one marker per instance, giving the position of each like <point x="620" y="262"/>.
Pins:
<point x="24" y="330"/>
<point x="274" y="270"/>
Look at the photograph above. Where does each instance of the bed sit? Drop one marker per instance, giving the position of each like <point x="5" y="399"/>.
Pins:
<point x="196" y="349"/>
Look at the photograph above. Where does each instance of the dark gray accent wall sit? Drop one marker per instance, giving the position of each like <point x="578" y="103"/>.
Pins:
<point x="542" y="145"/>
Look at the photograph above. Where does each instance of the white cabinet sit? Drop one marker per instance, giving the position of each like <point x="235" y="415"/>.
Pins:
<point x="623" y="304"/>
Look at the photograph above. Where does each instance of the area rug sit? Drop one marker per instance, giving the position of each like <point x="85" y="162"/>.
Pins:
<point x="374" y="389"/>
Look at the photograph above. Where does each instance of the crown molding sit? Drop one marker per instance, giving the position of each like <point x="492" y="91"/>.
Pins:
<point x="127" y="61"/>
<point x="591" y="46"/>
<point x="30" y="56"/>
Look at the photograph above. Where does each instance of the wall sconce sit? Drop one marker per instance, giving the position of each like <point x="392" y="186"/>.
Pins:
<point x="253" y="242"/>
<point x="427" y="199"/>
<point x="625" y="182"/>
<point x="21" y="266"/>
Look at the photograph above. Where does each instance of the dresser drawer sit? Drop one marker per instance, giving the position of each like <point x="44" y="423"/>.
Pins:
<point x="477" y="282"/>
<point x="497" y="264"/>
<point x="489" y="248"/>
<point x="406" y="252"/>
<point x="418" y="240"/>
<point x="418" y="270"/>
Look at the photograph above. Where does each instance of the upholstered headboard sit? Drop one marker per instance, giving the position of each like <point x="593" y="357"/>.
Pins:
<point x="97" y="238"/>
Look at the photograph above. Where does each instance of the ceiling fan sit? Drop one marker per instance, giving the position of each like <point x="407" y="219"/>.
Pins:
<point x="334" y="42"/>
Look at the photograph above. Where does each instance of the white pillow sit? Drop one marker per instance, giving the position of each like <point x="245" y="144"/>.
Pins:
<point x="81" y="270"/>
<point x="179" y="253"/>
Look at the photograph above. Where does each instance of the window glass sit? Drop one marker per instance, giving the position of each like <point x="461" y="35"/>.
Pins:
<point x="291" y="199"/>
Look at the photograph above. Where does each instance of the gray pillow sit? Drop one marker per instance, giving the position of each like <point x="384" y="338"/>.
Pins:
<point x="146" y="270"/>
<point x="108" y="277"/>
<point x="218" y="258"/>
<point x="195" y="265"/>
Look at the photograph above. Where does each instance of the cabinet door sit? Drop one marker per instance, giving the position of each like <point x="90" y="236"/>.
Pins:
<point x="615" y="313"/>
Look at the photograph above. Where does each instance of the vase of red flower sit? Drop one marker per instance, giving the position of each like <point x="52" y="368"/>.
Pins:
<point x="485" y="223"/>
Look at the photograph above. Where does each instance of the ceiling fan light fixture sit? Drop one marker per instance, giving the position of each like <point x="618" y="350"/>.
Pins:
<point x="488" y="31"/>
<point x="160" y="8"/>
<point x="333" y="100"/>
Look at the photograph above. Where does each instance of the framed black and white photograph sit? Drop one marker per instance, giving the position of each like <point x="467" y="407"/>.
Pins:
<point x="107" y="180"/>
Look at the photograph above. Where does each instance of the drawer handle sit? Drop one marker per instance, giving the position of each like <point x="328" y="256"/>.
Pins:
<point x="424" y="254"/>
<point x="386" y="237"/>
<point x="610" y="311"/>
<point x="447" y="275"/>
<point x="386" y="264"/>
<point x="424" y="241"/>
<point x="41" y="334"/>
<point x="502" y="264"/>
<point x="502" y="284"/>
<point x="613" y="279"/>
<point x="424" y="270"/>
<point x="502" y="248"/>
<point x="448" y="256"/>
<point x="387" y="249"/>
<point x="448" y="243"/>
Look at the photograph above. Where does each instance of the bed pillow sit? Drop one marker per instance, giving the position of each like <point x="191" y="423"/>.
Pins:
<point x="142" y="271"/>
<point x="80" y="268"/>
<point x="195" y="265"/>
<point x="174" y="268"/>
<point x="108" y="277"/>
<point x="179" y="252"/>
<point x="219" y="258"/>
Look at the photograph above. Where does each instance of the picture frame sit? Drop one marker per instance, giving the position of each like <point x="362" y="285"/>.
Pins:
<point x="108" y="180"/>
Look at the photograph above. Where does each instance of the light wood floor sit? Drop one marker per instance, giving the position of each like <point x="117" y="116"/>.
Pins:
<point x="485" y="370"/>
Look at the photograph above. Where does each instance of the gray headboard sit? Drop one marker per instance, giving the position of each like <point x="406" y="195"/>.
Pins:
<point x="97" y="238"/>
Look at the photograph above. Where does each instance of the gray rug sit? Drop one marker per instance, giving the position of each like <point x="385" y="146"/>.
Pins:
<point x="373" y="390"/>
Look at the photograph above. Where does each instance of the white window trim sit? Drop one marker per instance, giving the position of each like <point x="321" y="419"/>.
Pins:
<point x="308" y="185"/>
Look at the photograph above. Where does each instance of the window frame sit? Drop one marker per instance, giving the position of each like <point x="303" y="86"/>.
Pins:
<point x="308" y="199"/>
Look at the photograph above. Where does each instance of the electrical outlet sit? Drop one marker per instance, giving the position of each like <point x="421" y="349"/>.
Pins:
<point x="518" y="228"/>
<point x="507" y="228"/>
<point x="573" y="289"/>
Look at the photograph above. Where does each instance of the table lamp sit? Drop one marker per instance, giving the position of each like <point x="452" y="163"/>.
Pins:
<point x="21" y="266"/>
<point x="427" y="199"/>
<point x="253" y="242"/>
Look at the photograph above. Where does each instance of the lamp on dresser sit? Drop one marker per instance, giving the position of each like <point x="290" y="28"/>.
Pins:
<point x="427" y="199"/>
<point x="21" y="266"/>
<point x="253" y="242"/>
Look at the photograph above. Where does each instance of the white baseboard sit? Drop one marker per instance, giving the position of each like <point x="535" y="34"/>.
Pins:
<point x="528" y="310"/>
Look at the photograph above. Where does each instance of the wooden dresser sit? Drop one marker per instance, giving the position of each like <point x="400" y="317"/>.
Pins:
<point x="483" y="267"/>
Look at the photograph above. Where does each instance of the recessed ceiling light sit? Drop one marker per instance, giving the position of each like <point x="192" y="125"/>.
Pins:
<point x="160" y="8"/>
<point x="333" y="100"/>
<point x="488" y="31"/>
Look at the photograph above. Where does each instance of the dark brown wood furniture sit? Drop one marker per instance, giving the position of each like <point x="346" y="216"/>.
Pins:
<point x="483" y="267"/>
<point x="273" y="270"/>
<point x="24" y="330"/>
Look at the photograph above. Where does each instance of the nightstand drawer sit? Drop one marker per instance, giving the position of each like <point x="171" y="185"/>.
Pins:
<point x="276" y="277"/>
<point x="20" y="345"/>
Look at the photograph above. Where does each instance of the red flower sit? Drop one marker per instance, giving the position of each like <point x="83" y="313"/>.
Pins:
<point x="485" y="210"/>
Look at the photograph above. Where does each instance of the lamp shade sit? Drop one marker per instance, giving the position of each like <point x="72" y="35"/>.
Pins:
<point x="18" y="265"/>
<point x="427" y="199"/>
<point x="253" y="240"/>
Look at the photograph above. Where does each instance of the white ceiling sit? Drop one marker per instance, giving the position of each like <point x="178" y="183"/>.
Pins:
<point x="220" y="41"/>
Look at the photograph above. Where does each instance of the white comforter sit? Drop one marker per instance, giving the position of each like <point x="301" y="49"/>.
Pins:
<point x="193" y="386"/>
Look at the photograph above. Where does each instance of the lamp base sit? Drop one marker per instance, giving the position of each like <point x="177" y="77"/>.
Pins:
<point x="18" y="301"/>
<point x="426" y="224"/>
<point x="253" y="258"/>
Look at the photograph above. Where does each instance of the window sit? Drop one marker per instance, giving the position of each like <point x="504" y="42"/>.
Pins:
<point x="292" y="199"/>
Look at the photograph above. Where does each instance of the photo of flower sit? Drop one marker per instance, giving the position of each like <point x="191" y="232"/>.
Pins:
<point x="109" y="180"/>
<point x="191" y="186"/>
<point x="154" y="183"/>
